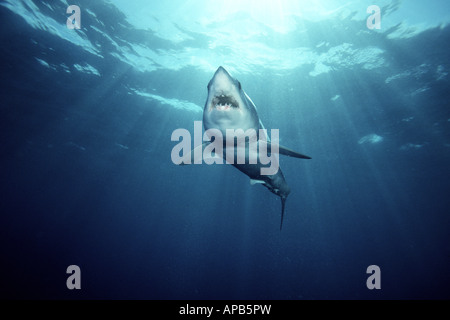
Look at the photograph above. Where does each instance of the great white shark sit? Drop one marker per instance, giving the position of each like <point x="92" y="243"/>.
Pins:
<point x="227" y="108"/>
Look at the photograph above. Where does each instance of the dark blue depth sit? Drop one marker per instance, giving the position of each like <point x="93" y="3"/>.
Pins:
<point x="86" y="176"/>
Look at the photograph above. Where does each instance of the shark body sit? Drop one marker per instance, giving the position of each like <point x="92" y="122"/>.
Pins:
<point x="228" y="107"/>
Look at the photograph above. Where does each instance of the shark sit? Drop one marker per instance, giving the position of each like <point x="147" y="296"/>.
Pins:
<point x="229" y="109"/>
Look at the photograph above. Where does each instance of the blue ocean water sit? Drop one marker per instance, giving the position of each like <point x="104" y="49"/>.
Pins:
<point x="86" y="176"/>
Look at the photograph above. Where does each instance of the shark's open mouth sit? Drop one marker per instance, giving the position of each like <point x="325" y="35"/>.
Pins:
<point x="224" y="102"/>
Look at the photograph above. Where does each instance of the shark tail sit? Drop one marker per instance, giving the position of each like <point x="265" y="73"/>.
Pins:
<point x="283" y="203"/>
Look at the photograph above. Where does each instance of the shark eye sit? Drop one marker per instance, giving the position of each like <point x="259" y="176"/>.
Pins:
<point x="239" y="85"/>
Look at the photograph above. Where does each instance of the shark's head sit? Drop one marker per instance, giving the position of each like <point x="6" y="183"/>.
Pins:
<point x="227" y="105"/>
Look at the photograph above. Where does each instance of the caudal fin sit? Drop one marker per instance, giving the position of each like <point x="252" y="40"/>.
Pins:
<point x="283" y="202"/>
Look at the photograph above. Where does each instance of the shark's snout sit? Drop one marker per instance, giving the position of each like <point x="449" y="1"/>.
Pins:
<point x="227" y="105"/>
<point x="221" y="71"/>
<point x="223" y="92"/>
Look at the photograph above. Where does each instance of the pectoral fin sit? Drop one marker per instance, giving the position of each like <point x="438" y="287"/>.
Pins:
<point x="285" y="151"/>
<point x="253" y="182"/>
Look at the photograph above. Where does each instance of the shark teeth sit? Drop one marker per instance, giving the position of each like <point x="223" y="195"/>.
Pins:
<point x="225" y="106"/>
<point x="223" y="102"/>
